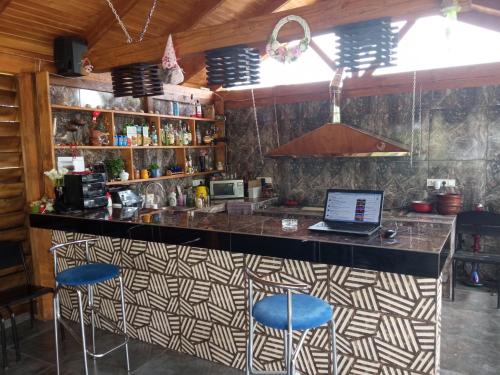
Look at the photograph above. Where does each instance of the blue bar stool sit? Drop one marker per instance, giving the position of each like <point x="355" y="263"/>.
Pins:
<point x="288" y="312"/>
<point x="77" y="278"/>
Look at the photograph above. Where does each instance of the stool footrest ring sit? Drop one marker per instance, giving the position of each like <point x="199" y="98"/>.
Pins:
<point x="78" y="339"/>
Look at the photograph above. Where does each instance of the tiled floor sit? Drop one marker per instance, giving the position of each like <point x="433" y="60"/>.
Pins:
<point x="470" y="343"/>
<point x="470" y="346"/>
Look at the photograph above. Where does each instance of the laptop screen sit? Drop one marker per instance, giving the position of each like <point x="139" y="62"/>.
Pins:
<point x="353" y="206"/>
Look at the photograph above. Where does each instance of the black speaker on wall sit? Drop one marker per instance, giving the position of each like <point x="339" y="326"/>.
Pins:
<point x="68" y="54"/>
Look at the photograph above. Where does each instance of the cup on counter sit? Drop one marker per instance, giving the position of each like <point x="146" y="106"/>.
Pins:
<point x="289" y="225"/>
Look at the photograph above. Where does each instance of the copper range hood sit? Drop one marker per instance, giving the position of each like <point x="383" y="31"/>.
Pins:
<point x="338" y="139"/>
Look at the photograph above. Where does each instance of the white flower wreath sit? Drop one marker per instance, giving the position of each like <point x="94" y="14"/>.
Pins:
<point x="282" y="51"/>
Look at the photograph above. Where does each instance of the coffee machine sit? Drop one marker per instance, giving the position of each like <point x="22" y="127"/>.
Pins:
<point x="85" y="191"/>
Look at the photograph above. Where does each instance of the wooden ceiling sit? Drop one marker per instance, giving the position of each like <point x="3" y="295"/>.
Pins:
<point x="30" y="26"/>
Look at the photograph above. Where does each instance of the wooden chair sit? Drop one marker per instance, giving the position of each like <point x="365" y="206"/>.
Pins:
<point x="12" y="262"/>
<point x="481" y="223"/>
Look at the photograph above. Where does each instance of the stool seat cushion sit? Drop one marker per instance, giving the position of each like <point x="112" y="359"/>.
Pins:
<point x="88" y="274"/>
<point x="307" y="311"/>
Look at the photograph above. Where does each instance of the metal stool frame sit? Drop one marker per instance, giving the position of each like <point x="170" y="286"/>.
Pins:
<point x="93" y="312"/>
<point x="291" y="355"/>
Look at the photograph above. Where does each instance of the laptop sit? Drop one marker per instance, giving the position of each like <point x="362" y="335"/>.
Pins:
<point x="351" y="211"/>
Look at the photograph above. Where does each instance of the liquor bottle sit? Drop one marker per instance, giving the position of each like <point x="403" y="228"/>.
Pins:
<point x="189" y="136"/>
<point x="146" y="140"/>
<point x="139" y="135"/>
<point x="154" y="136"/>
<point x="163" y="135"/>
<point x="198" y="136"/>
<point x="178" y="136"/>
<point x="185" y="134"/>
<point x="198" y="109"/>
<point x="170" y="135"/>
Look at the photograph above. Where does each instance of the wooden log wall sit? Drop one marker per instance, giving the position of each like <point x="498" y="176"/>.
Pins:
<point x="12" y="187"/>
<point x="24" y="102"/>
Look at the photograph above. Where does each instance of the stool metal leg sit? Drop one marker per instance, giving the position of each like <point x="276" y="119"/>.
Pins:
<point x="15" y="337"/>
<point x="82" y="325"/>
<point x="289" y="352"/>
<point x="289" y="333"/>
<point x="124" y="312"/>
<point x="453" y="279"/>
<point x="4" y="343"/>
<point x="92" y="317"/>
<point x="56" y="328"/>
<point x="498" y="293"/>
<point x="331" y="325"/>
<point x="286" y="356"/>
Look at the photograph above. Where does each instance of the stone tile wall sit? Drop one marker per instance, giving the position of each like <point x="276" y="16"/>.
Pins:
<point x="458" y="136"/>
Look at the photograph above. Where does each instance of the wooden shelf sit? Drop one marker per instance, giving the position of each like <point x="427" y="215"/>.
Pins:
<point x="171" y="177"/>
<point x="67" y="147"/>
<point x="77" y="108"/>
<point x="129" y="113"/>
<point x="127" y="153"/>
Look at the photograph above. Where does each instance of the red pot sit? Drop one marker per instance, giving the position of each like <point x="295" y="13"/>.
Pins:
<point x="421" y="206"/>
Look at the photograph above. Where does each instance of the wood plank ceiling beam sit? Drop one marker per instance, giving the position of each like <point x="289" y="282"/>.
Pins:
<point x="199" y="11"/>
<point x="486" y="10"/>
<point x="321" y="16"/>
<point x="4" y="4"/>
<point x="100" y="27"/>
<point x="433" y="79"/>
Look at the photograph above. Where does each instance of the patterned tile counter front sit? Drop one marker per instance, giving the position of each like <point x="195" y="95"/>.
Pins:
<point x="194" y="299"/>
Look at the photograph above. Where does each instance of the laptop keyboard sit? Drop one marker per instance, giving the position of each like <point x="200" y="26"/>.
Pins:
<point x="354" y="226"/>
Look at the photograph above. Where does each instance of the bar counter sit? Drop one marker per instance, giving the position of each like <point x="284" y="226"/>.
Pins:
<point x="185" y="287"/>
<point x="418" y="250"/>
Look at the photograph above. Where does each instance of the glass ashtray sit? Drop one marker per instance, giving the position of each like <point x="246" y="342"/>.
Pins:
<point x="289" y="225"/>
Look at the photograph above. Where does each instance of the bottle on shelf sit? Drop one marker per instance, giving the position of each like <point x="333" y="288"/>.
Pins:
<point x="199" y="141"/>
<point x="139" y="135"/>
<point x="146" y="140"/>
<point x="189" y="136"/>
<point x="154" y="136"/>
<point x="176" y="109"/>
<point x="185" y="134"/>
<point x="188" y="166"/>
<point x="179" y="136"/>
<point x="170" y="135"/>
<point x="198" y="109"/>
<point x="163" y="135"/>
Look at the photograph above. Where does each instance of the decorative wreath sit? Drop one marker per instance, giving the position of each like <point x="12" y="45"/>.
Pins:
<point x="282" y="51"/>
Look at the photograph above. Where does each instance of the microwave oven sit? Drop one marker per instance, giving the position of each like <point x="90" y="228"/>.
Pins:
<point x="225" y="189"/>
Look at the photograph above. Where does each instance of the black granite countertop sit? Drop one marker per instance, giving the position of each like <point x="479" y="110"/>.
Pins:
<point x="420" y="238"/>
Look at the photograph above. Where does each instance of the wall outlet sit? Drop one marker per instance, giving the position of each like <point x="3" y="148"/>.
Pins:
<point x="431" y="182"/>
